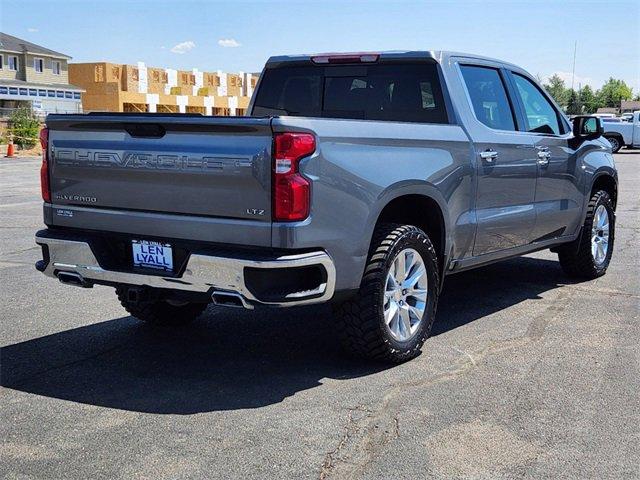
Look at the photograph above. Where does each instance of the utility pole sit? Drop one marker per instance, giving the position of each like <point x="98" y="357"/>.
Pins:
<point x="573" y="72"/>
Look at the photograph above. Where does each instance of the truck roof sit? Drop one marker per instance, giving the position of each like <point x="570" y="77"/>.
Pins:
<point x="437" y="55"/>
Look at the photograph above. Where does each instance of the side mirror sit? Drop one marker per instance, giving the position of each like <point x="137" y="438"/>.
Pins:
<point x="587" y="128"/>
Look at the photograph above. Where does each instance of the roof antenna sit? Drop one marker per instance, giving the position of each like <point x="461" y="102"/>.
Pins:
<point x="573" y="72"/>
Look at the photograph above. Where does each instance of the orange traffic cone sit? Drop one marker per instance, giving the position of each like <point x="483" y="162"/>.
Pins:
<point x="11" y="150"/>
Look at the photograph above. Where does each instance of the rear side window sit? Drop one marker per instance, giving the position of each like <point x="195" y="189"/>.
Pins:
<point x="488" y="97"/>
<point x="540" y="115"/>
<point x="398" y="92"/>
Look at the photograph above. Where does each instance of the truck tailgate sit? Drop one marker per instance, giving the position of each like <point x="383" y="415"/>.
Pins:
<point x="170" y="164"/>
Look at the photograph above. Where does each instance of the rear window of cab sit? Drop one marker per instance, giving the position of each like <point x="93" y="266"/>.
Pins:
<point x="392" y="92"/>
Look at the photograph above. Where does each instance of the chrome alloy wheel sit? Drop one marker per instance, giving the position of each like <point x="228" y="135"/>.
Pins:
<point x="405" y="294"/>
<point x="600" y="235"/>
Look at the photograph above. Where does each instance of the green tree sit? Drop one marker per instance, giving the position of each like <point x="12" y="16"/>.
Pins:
<point x="588" y="99"/>
<point x="25" y="127"/>
<point x="557" y="89"/>
<point x="613" y="92"/>
<point x="574" y="105"/>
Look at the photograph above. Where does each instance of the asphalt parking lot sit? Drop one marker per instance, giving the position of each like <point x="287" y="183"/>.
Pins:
<point x="527" y="375"/>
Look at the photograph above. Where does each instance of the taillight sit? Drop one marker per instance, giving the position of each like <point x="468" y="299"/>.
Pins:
<point x="44" y="169"/>
<point x="291" y="191"/>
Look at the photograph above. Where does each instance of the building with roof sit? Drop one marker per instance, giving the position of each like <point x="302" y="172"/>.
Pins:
<point x="112" y="87"/>
<point x="35" y="76"/>
<point x="607" y="110"/>
<point x="629" y="106"/>
<point x="626" y="106"/>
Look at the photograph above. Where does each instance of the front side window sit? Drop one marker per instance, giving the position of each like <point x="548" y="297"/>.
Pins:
<point x="55" y="66"/>
<point x="540" y="116"/>
<point x="13" y="62"/>
<point x="38" y="65"/>
<point x="399" y="92"/>
<point x="488" y="97"/>
<point x="1" y="61"/>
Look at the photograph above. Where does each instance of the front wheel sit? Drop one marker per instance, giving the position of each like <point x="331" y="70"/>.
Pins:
<point x="589" y="256"/>
<point x="391" y="316"/>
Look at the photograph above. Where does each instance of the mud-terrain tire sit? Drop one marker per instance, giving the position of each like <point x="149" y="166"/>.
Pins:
<point x="158" y="311"/>
<point x="362" y="323"/>
<point x="581" y="258"/>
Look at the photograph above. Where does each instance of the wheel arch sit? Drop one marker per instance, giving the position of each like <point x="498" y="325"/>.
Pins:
<point x="604" y="180"/>
<point x="423" y="207"/>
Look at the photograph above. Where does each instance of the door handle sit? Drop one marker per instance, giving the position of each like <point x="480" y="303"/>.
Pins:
<point x="489" y="156"/>
<point x="543" y="156"/>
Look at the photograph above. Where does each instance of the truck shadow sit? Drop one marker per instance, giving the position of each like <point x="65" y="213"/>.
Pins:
<point x="235" y="359"/>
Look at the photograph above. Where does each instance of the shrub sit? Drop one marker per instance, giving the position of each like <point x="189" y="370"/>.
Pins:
<point x="25" y="127"/>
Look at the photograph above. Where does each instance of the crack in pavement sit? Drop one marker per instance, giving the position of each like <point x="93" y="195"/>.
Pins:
<point x="24" y="381"/>
<point x="13" y="264"/>
<point x="374" y="438"/>
<point x="604" y="291"/>
<point x="15" y="252"/>
<point x="330" y="457"/>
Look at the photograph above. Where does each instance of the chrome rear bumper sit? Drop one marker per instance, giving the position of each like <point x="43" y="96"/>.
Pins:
<point x="203" y="273"/>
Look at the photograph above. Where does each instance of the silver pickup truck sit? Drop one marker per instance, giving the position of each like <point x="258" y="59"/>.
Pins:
<point x="359" y="179"/>
<point x="622" y="134"/>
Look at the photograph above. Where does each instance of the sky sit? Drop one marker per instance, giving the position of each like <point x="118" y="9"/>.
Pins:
<point x="240" y="35"/>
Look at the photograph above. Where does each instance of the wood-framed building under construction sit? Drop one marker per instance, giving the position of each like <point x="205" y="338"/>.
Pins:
<point x="114" y="87"/>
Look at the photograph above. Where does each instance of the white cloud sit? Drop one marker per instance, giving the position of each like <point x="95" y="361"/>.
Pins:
<point x="183" y="47"/>
<point x="32" y="30"/>
<point x="577" y="80"/>
<point x="229" y="43"/>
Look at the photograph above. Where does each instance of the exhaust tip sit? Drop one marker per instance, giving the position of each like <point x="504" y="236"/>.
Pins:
<point x="230" y="299"/>
<point x="73" y="279"/>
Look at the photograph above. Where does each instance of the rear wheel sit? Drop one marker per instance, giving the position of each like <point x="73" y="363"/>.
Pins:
<point x="615" y="142"/>
<point x="589" y="256"/>
<point x="391" y="316"/>
<point x="149" y="306"/>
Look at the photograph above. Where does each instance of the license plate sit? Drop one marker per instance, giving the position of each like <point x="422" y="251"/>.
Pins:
<point x="148" y="254"/>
